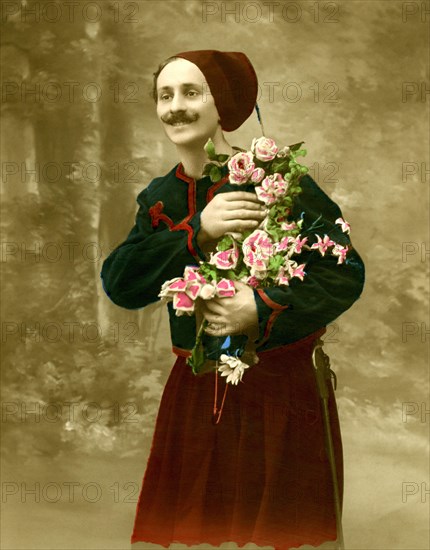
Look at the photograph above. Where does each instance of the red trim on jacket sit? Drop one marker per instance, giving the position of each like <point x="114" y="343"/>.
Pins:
<point x="211" y="191"/>
<point x="156" y="213"/>
<point x="268" y="301"/>
<point x="277" y="310"/>
<point x="191" y="188"/>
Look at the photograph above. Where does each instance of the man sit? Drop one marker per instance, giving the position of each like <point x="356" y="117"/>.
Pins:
<point x="261" y="473"/>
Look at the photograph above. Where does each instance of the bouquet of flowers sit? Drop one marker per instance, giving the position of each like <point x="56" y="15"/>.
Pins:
<point x="264" y="257"/>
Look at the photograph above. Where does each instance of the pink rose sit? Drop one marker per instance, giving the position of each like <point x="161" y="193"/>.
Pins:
<point x="191" y="275"/>
<point x="257" y="175"/>
<point x="182" y="303"/>
<point x="193" y="290"/>
<point x="264" y="149"/>
<point x="226" y="288"/>
<point x="241" y="167"/>
<point x="170" y="288"/>
<point x="225" y="259"/>
<point x="272" y="188"/>
<point x="252" y="281"/>
<point x="257" y="251"/>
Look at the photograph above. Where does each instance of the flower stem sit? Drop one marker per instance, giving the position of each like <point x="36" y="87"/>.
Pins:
<point x="197" y="358"/>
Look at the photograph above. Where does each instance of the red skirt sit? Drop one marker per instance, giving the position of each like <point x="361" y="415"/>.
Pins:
<point x="260" y="475"/>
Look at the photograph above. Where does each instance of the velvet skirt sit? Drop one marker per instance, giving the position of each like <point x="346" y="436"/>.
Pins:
<point x="260" y="475"/>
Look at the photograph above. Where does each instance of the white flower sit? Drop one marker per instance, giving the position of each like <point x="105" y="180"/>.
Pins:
<point x="233" y="368"/>
<point x="264" y="149"/>
<point x="207" y="291"/>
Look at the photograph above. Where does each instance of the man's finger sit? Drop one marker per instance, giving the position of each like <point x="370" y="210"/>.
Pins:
<point x="245" y="214"/>
<point x="220" y="329"/>
<point x="245" y="205"/>
<point x="241" y="195"/>
<point x="213" y="307"/>
<point x="240" y="225"/>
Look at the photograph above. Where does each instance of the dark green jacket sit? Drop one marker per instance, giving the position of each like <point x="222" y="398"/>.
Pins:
<point x="163" y="241"/>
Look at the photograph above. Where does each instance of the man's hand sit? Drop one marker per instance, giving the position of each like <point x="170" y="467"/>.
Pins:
<point x="233" y="212"/>
<point x="235" y="315"/>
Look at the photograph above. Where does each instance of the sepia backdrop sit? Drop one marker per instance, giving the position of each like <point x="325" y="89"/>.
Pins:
<point x="81" y="377"/>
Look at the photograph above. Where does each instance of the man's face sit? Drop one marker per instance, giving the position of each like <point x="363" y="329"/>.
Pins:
<point x="185" y="105"/>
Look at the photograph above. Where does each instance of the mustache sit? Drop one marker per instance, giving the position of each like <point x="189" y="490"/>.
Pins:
<point x="175" y="118"/>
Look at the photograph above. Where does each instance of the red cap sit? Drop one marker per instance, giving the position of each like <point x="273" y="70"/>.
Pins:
<point x="232" y="82"/>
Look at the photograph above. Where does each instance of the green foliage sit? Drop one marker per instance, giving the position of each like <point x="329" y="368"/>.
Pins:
<point x="197" y="359"/>
<point x="225" y="243"/>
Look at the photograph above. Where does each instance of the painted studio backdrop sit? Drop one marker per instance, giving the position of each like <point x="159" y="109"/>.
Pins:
<point x="82" y="378"/>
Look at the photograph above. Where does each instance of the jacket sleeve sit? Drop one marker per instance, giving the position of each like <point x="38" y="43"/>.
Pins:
<point x="287" y="314"/>
<point x="132" y="275"/>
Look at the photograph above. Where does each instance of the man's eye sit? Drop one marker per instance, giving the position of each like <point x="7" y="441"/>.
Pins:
<point x="164" y="97"/>
<point x="192" y="93"/>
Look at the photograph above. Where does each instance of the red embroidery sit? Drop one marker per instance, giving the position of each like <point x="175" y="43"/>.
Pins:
<point x="156" y="215"/>
<point x="268" y="301"/>
<point x="277" y="310"/>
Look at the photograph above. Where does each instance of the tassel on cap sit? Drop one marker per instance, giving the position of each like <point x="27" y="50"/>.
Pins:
<point x="257" y="108"/>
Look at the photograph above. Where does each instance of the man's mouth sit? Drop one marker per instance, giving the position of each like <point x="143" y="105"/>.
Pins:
<point x="181" y="123"/>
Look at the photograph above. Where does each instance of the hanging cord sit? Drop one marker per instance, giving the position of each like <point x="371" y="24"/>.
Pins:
<point x="218" y="412"/>
<point x="324" y="374"/>
<point x="257" y="108"/>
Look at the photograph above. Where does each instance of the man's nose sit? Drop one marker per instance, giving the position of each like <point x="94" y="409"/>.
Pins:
<point x="177" y="103"/>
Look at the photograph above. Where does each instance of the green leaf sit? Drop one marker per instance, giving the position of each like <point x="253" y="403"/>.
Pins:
<point x="225" y="243"/>
<point x="281" y="165"/>
<point x="207" y="168"/>
<point x="197" y="358"/>
<point x="210" y="149"/>
<point x="215" y="173"/>
<point x="296" y="146"/>
<point x="222" y="158"/>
